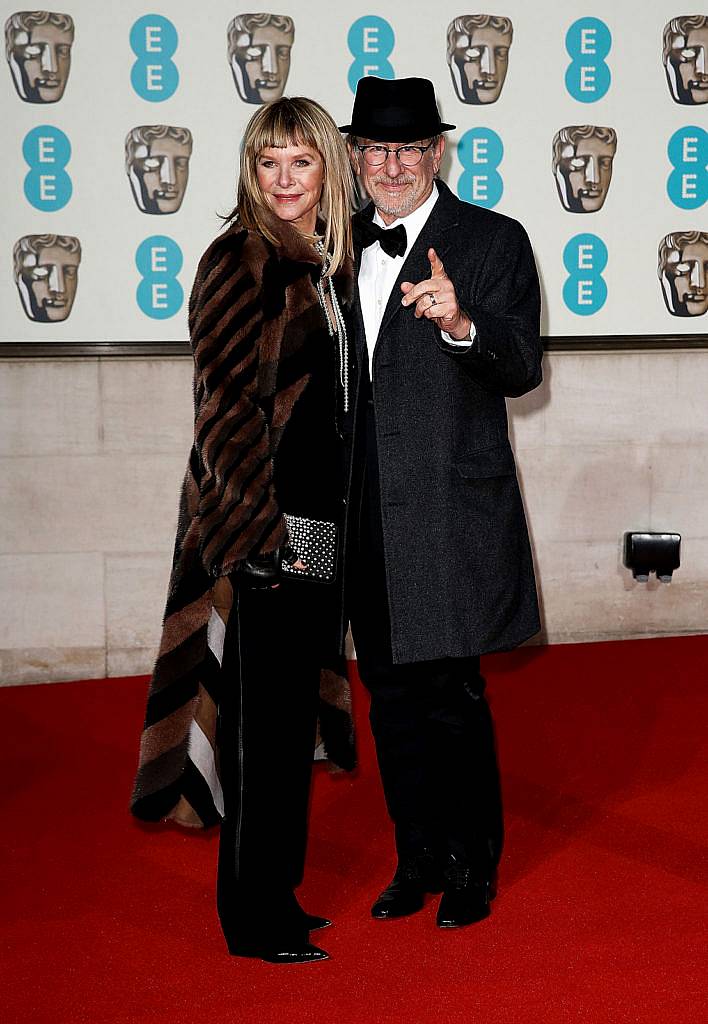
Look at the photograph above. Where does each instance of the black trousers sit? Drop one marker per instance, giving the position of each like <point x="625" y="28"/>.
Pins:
<point x="266" y="733"/>
<point x="432" y="725"/>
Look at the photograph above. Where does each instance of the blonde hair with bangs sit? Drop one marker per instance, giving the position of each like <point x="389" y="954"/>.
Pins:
<point x="298" y="121"/>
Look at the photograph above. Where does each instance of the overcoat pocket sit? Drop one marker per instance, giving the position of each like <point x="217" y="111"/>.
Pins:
<point x="488" y="462"/>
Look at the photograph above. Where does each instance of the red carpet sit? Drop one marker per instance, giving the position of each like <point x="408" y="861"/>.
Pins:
<point x="602" y="887"/>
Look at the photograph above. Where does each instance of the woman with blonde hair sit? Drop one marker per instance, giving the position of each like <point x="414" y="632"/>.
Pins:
<point x="252" y="641"/>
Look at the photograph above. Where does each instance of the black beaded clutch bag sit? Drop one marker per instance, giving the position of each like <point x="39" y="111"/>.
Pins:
<point x="316" y="544"/>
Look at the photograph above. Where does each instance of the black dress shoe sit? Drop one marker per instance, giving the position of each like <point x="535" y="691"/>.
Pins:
<point x="279" y="953"/>
<point x="466" y="898"/>
<point x="405" y="895"/>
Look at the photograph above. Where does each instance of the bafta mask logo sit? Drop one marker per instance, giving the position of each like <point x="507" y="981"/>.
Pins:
<point x="685" y="57"/>
<point x="46" y="275"/>
<point x="38" y="48"/>
<point x="582" y="166"/>
<point x="683" y="272"/>
<point x="157" y="165"/>
<point x="259" y="55"/>
<point x="478" y="55"/>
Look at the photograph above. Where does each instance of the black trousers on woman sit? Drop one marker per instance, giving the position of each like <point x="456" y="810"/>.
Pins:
<point x="266" y="733"/>
<point x="431" y="723"/>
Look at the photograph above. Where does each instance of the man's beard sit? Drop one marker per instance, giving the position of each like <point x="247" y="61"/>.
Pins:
<point x="396" y="206"/>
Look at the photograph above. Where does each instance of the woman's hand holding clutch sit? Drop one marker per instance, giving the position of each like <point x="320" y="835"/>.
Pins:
<point x="263" y="572"/>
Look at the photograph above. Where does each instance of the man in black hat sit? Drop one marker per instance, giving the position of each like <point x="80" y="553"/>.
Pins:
<point x="445" y="327"/>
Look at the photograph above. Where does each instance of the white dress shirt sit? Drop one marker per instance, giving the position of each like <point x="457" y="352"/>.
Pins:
<point x="378" y="273"/>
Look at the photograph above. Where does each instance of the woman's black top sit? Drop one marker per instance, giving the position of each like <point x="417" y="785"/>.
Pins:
<point x="308" y="463"/>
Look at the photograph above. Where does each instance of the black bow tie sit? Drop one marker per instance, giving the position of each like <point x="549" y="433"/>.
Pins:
<point x="392" y="240"/>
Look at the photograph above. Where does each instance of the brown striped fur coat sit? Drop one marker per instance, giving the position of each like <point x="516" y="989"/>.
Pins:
<point x="247" y="296"/>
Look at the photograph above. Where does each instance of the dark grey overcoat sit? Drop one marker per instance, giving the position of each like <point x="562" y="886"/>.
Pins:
<point x="458" y="561"/>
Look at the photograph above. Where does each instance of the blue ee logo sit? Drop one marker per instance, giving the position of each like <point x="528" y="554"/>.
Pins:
<point x="159" y="260"/>
<point x="585" y="291"/>
<point x="480" y="152"/>
<point x="153" y="40"/>
<point x="588" y="42"/>
<point x="47" y="151"/>
<point x="370" y="41"/>
<point x="688" y="182"/>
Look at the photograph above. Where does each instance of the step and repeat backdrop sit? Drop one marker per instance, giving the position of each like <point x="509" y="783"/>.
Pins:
<point x="122" y="124"/>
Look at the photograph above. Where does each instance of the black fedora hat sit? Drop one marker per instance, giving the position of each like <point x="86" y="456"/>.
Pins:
<point x="395" y="110"/>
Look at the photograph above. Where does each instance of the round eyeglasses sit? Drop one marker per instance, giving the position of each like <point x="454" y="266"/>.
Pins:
<point x="408" y="156"/>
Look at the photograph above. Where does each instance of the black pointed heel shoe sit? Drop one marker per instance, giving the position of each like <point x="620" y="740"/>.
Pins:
<point x="314" y="923"/>
<point x="283" y="953"/>
<point x="310" y="922"/>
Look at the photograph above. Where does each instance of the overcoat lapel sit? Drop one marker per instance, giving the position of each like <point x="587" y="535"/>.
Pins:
<point x="359" y="331"/>
<point x="416" y="267"/>
<point x="358" y="320"/>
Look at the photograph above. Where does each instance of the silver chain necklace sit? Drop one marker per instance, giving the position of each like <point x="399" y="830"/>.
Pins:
<point x="335" y="322"/>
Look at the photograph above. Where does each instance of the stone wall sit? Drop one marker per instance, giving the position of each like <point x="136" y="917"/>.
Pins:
<point x="93" y="452"/>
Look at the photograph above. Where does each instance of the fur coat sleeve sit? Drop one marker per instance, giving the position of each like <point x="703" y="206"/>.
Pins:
<point x="236" y="514"/>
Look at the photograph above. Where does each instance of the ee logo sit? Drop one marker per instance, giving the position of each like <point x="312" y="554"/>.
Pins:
<point x="480" y="151"/>
<point x="585" y="290"/>
<point x="370" y="41"/>
<point x="687" y="184"/>
<point x="159" y="260"/>
<point x="47" y="184"/>
<point x="154" y="75"/>
<point x="588" y="42"/>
